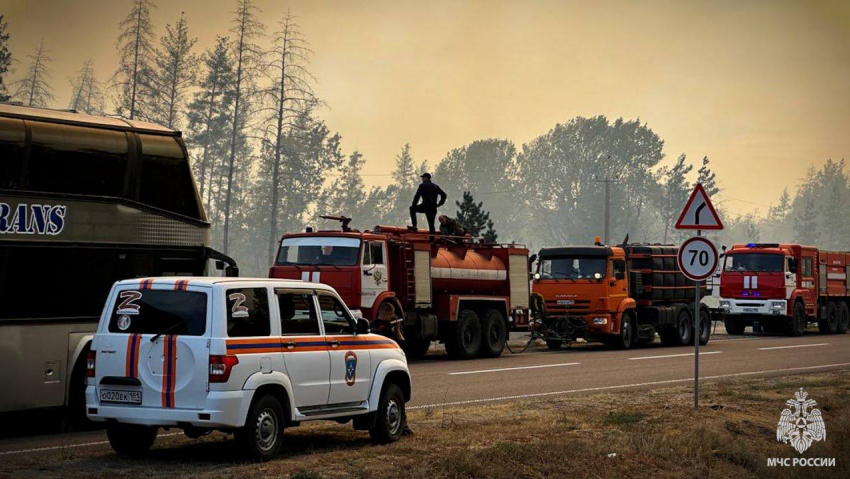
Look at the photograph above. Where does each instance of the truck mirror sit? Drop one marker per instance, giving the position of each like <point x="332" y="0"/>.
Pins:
<point x="231" y="272"/>
<point x="363" y="326"/>
<point x="536" y="276"/>
<point x="792" y="265"/>
<point x="219" y="265"/>
<point x="619" y="275"/>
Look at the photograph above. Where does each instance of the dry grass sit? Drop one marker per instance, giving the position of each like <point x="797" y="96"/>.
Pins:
<point x="641" y="433"/>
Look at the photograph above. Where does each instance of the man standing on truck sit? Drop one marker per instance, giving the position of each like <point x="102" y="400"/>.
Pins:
<point x="432" y="197"/>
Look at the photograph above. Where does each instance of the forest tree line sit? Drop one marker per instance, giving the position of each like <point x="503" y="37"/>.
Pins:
<point x="266" y="163"/>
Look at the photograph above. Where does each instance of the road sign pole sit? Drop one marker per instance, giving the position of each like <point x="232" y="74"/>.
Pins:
<point x="696" y="340"/>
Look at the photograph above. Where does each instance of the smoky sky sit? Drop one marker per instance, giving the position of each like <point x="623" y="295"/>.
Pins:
<point x="761" y="87"/>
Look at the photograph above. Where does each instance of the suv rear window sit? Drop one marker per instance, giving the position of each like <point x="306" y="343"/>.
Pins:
<point x="154" y="312"/>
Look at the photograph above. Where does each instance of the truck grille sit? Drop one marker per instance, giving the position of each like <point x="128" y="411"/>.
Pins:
<point x="579" y="307"/>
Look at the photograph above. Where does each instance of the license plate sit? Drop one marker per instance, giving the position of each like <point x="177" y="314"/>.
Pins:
<point x="566" y="302"/>
<point x="120" y="396"/>
<point x="751" y="310"/>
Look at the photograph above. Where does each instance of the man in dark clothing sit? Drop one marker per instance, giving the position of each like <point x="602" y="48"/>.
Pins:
<point x="432" y="197"/>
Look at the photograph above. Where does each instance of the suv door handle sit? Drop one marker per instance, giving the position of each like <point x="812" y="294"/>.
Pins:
<point x="290" y="344"/>
<point x="333" y="343"/>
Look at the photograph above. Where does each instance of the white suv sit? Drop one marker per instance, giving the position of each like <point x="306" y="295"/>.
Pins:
<point x="248" y="356"/>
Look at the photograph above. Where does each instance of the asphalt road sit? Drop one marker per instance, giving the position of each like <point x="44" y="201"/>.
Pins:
<point x="584" y="368"/>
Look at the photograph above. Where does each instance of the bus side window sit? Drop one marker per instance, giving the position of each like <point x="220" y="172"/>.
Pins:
<point x="12" y="143"/>
<point x="76" y="159"/>
<point x="166" y="181"/>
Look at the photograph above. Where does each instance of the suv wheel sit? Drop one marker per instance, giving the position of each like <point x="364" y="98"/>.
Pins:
<point x="796" y="324"/>
<point x="494" y="334"/>
<point x="464" y="339"/>
<point x="391" y="418"/>
<point x="262" y="436"/>
<point x="130" y="439"/>
<point x="829" y="323"/>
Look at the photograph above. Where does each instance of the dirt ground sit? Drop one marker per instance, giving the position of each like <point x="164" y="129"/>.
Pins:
<point x="640" y="433"/>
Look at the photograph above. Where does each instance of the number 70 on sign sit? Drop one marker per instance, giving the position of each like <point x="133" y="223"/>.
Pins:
<point x="698" y="258"/>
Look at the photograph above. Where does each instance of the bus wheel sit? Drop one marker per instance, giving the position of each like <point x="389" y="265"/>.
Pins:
<point x="843" y="318"/>
<point x="494" y="334"/>
<point x="796" y="324"/>
<point x="829" y="323"/>
<point x="464" y="338"/>
<point x="76" y="411"/>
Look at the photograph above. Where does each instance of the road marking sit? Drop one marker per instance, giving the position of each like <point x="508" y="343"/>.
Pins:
<point x="623" y="386"/>
<point x="795" y="346"/>
<point x="512" y="369"/>
<point x="69" y="446"/>
<point x="673" y="355"/>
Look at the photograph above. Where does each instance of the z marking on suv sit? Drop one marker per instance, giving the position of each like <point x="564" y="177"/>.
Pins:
<point x="240" y="355"/>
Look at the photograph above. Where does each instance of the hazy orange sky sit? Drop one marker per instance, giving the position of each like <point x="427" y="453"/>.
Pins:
<point x="761" y="87"/>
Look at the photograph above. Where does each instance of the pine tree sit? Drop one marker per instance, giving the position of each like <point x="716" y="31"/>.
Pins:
<point x="288" y="94"/>
<point x="474" y="219"/>
<point x="176" y="71"/>
<point x="806" y="223"/>
<point x="674" y="193"/>
<point x="707" y="178"/>
<point x="33" y="89"/>
<point x="87" y="95"/>
<point x="246" y="27"/>
<point x="779" y="212"/>
<point x="135" y="74"/>
<point x="5" y="58"/>
<point x="209" y="116"/>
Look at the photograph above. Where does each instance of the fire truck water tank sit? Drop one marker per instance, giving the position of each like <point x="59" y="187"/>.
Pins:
<point x="467" y="271"/>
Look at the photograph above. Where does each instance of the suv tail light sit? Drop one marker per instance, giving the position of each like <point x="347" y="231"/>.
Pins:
<point x="220" y="367"/>
<point x="90" y="363"/>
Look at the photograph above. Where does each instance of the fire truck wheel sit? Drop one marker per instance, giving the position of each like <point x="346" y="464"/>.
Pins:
<point x="829" y="323"/>
<point x="843" y="318"/>
<point x="129" y="439"/>
<point x="464" y="338"/>
<point x="733" y="325"/>
<point x="493" y="334"/>
<point x="416" y="348"/>
<point x="704" y="327"/>
<point x="796" y="324"/>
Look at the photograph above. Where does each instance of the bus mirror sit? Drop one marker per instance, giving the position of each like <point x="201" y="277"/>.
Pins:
<point x="219" y="265"/>
<point x="231" y="272"/>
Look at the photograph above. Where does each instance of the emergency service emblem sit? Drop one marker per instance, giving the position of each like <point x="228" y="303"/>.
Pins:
<point x="800" y="424"/>
<point x="378" y="276"/>
<point x="350" y="368"/>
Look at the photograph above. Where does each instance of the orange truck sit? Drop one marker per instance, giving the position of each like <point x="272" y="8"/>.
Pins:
<point x="620" y="295"/>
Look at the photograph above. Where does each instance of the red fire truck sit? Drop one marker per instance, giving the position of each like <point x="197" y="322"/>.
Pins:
<point x="783" y="287"/>
<point x="465" y="294"/>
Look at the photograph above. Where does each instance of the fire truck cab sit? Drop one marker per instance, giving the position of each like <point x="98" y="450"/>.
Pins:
<point x="783" y="287"/>
<point x="416" y="287"/>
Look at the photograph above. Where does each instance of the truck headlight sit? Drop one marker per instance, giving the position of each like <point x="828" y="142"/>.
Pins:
<point x="778" y="304"/>
<point x="725" y="304"/>
<point x="600" y="320"/>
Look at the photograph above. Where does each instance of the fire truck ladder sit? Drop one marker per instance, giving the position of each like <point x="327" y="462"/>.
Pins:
<point x="410" y="280"/>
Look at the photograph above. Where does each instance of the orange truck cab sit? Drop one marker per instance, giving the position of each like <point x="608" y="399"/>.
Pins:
<point x="620" y="295"/>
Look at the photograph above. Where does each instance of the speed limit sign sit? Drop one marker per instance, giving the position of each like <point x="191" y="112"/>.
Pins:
<point x="698" y="258"/>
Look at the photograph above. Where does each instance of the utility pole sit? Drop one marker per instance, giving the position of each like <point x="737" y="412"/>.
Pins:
<point x="607" y="182"/>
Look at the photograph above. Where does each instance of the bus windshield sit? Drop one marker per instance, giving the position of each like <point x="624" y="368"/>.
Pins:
<point x="573" y="268"/>
<point x="755" y="262"/>
<point x="318" y="251"/>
